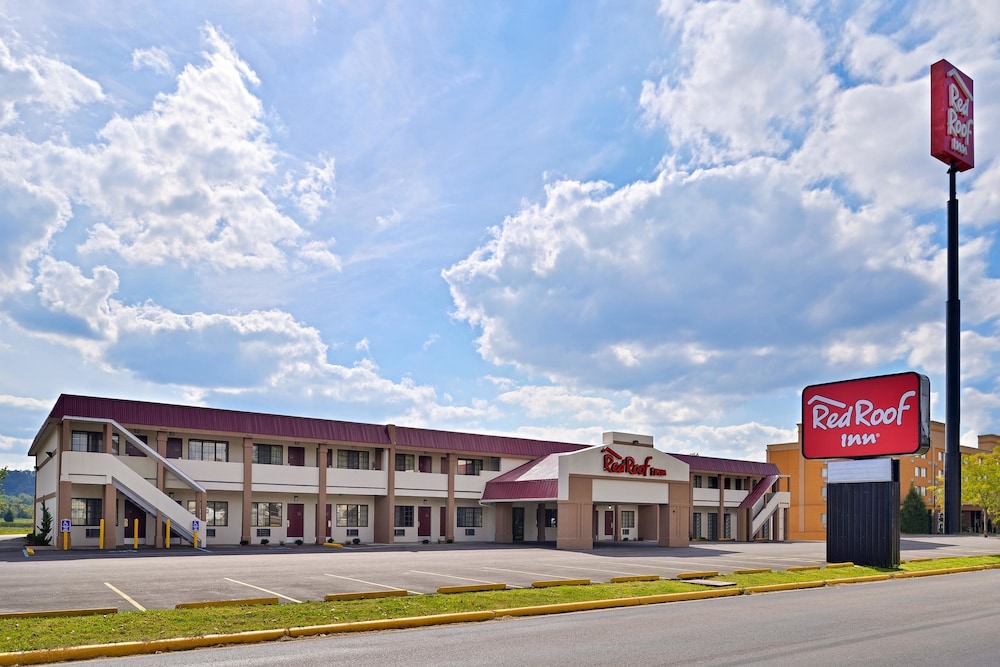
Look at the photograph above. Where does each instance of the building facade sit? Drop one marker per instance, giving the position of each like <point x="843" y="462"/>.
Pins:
<point x="807" y="483"/>
<point x="117" y="472"/>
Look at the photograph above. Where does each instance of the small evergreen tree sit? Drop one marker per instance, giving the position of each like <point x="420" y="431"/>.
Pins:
<point x="8" y="516"/>
<point x="45" y="528"/>
<point x="914" y="518"/>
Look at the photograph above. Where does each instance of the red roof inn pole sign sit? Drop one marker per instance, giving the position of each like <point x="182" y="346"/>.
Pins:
<point x="951" y="116"/>
<point x="952" y="142"/>
<point x="878" y="416"/>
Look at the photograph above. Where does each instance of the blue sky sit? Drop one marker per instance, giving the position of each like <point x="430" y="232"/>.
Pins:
<point x="545" y="219"/>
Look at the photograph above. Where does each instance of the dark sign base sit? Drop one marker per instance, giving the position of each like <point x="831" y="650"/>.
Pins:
<point x="863" y="522"/>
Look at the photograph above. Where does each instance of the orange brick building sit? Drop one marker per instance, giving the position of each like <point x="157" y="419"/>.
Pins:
<point x="807" y="482"/>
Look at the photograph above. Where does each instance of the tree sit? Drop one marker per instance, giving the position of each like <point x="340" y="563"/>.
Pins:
<point x="914" y="516"/>
<point x="3" y="474"/>
<point x="42" y="536"/>
<point x="981" y="484"/>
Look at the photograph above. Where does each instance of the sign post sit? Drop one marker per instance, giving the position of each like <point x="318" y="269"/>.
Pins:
<point x="952" y="142"/>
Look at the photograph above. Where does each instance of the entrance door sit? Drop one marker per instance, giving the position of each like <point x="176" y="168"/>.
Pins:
<point x="423" y="521"/>
<point x="517" y="523"/>
<point x="133" y="512"/>
<point x="296" y="515"/>
<point x="609" y="524"/>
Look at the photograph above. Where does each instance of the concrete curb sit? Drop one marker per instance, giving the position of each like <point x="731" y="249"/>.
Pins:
<point x="472" y="588"/>
<point x="560" y="582"/>
<point x="101" y="611"/>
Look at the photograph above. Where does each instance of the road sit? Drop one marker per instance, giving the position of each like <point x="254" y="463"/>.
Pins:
<point x="159" y="579"/>
<point x="943" y="620"/>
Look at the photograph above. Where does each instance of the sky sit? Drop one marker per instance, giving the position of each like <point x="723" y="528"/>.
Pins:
<point x="543" y="219"/>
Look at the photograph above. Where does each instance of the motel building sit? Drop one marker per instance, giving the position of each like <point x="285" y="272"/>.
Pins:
<point x="118" y="472"/>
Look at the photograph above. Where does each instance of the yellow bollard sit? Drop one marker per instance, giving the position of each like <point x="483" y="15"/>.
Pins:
<point x="65" y="541"/>
<point x="102" y="535"/>
<point x="196" y="539"/>
<point x="135" y="534"/>
<point x="168" y="533"/>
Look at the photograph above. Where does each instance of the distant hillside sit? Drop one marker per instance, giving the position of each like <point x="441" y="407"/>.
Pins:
<point x="18" y="482"/>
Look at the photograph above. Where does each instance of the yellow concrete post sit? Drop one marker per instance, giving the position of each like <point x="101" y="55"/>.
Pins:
<point x="196" y="539"/>
<point x="168" y="533"/>
<point x="135" y="534"/>
<point x="102" y="534"/>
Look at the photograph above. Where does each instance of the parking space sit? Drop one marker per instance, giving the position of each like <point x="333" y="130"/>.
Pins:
<point x="151" y="579"/>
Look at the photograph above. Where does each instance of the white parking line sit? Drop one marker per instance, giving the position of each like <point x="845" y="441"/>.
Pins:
<point x="451" y="576"/>
<point x="127" y="598"/>
<point x="593" y="569"/>
<point x="533" y="574"/>
<point x="371" y="583"/>
<point x="284" y="597"/>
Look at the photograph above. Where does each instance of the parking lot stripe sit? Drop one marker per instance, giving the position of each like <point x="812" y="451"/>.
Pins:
<point x="451" y="576"/>
<point x="593" y="569"/>
<point x="284" y="597"/>
<point x="533" y="574"/>
<point x="126" y="597"/>
<point x="371" y="583"/>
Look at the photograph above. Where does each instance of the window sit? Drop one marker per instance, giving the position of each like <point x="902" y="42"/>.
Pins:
<point x="822" y="473"/>
<point x="217" y="512"/>
<point x="404" y="516"/>
<point x="296" y="456"/>
<point x="267" y="454"/>
<point x="470" y="517"/>
<point x="697" y="481"/>
<point x="739" y="484"/>
<point x="469" y="467"/>
<point x="696" y="527"/>
<point x="86" y="511"/>
<point x="130" y="449"/>
<point x="405" y="462"/>
<point x="353" y="459"/>
<point x="265" y="514"/>
<point x="550" y="518"/>
<point x="352" y="515"/>
<point x="628" y="519"/>
<point x="713" y="525"/>
<point x="425" y="463"/>
<point x="208" y="450"/>
<point x="822" y="491"/>
<point x="822" y="517"/>
<point x="727" y="525"/>
<point x="492" y="464"/>
<point x="175" y="448"/>
<point x="87" y="441"/>
<point x="713" y="482"/>
<point x="727" y="483"/>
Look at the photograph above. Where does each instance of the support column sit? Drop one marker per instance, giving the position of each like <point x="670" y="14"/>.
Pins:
<point x="110" y="509"/>
<point x="322" y="530"/>
<point x="247" y="488"/>
<point x="161" y="484"/>
<point x="449" y="531"/>
<point x="720" y="524"/>
<point x="540" y="521"/>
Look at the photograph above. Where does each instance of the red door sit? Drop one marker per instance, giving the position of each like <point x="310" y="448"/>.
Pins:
<point x="423" y="521"/>
<point x="609" y="523"/>
<point x="296" y="513"/>
<point x="133" y="512"/>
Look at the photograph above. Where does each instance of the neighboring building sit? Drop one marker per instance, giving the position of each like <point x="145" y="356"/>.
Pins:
<point x="120" y="470"/>
<point x="807" y="483"/>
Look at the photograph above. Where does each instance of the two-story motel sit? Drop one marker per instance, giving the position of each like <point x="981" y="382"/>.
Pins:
<point x="135" y="467"/>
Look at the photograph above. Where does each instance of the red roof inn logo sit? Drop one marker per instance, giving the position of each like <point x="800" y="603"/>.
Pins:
<point x="614" y="462"/>
<point x="951" y="116"/>
<point x="887" y="415"/>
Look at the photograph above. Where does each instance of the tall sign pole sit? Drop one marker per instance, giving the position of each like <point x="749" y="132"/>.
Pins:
<point x="952" y="143"/>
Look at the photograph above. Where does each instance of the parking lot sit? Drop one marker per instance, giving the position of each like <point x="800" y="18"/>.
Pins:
<point x="149" y="579"/>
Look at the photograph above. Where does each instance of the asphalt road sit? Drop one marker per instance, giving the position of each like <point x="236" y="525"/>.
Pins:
<point x="943" y="620"/>
<point x="148" y="579"/>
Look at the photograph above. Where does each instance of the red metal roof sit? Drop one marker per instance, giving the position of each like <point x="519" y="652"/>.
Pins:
<point x="169" y="417"/>
<point x="727" y="466"/>
<point x="421" y="438"/>
<point x="758" y="491"/>
<point x="535" y="480"/>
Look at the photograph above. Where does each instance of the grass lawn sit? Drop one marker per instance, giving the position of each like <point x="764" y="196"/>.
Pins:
<point x="22" y="634"/>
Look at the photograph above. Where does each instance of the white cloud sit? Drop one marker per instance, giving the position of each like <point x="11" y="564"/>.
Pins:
<point x="391" y="220"/>
<point x="34" y="79"/>
<point x="153" y="58"/>
<point x="753" y="72"/>
<point x="313" y="192"/>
